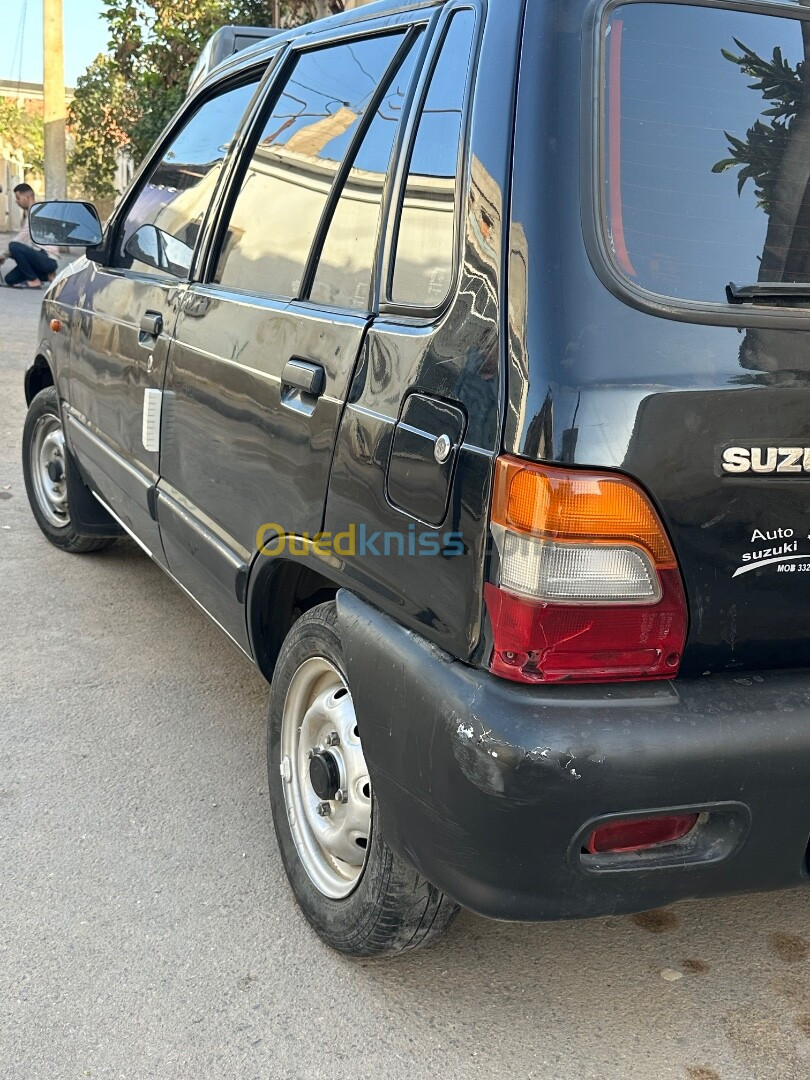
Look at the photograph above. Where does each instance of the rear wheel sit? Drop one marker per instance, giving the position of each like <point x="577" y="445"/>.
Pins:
<point x="45" y="467"/>
<point x="362" y="898"/>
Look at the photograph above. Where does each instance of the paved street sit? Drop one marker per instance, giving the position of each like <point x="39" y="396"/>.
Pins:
<point x="146" y="928"/>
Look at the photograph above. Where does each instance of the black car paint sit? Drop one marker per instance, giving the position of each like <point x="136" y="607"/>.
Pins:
<point x="542" y="360"/>
<point x="104" y="378"/>
<point x="491" y="789"/>
<point x="212" y="402"/>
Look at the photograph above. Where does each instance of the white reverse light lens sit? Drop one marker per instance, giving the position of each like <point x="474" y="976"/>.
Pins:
<point x="584" y="573"/>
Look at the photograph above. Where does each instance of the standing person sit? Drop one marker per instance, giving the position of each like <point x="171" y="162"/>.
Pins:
<point x="34" y="264"/>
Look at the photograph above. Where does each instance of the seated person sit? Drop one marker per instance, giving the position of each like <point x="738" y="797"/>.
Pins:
<point x="34" y="264"/>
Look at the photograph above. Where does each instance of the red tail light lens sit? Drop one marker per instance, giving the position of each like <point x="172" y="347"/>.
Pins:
<point x="589" y="589"/>
<point x="640" y="833"/>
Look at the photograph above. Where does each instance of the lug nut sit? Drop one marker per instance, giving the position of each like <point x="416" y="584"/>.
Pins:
<point x="341" y="796"/>
<point x="324" y="809"/>
<point x="333" y="739"/>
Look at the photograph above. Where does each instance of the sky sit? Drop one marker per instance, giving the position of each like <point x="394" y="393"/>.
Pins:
<point x="85" y="37"/>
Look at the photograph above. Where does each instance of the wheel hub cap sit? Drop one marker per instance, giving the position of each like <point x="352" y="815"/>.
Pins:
<point x="47" y="460"/>
<point x="324" y="774"/>
<point x="55" y="471"/>
<point x="325" y="779"/>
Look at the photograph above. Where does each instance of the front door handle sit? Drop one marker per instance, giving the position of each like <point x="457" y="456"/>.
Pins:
<point x="150" y="329"/>
<point x="305" y="376"/>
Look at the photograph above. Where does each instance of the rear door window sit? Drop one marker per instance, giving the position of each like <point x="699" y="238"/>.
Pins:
<point x="294" y="164"/>
<point x="706" y="149"/>
<point x="343" y="277"/>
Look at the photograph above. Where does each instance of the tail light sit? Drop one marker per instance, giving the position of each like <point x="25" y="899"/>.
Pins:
<point x="589" y="588"/>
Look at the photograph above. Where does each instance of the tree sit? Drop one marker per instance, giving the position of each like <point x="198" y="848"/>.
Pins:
<point x="101" y="117"/>
<point x="761" y="153"/>
<point x="775" y="156"/>
<point x="127" y="96"/>
<point x="22" y="131"/>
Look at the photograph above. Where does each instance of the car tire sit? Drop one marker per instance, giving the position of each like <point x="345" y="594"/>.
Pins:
<point x="361" y="897"/>
<point x="45" y="461"/>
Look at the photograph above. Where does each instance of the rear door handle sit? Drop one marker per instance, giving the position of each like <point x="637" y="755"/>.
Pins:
<point x="305" y="376"/>
<point x="150" y="329"/>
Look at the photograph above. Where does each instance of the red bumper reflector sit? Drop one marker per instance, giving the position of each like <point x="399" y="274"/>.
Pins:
<point x="640" y="833"/>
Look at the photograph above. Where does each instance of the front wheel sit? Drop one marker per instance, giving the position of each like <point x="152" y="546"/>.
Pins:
<point x="45" y="463"/>
<point x="362" y="898"/>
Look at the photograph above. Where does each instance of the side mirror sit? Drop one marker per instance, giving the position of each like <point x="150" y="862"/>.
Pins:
<point x="160" y="249"/>
<point x="65" y="224"/>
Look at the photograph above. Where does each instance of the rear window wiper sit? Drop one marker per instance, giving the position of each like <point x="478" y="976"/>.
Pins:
<point x="768" y="292"/>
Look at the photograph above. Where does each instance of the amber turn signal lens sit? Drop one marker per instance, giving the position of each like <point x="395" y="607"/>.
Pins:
<point x="574" y="505"/>
<point x="56" y="325"/>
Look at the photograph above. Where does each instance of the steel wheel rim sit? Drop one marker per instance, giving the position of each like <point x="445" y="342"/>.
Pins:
<point x="48" y="470"/>
<point x="333" y="845"/>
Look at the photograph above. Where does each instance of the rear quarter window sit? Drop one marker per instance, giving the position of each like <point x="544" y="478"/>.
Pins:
<point x="425" y="242"/>
<point x="705" y="148"/>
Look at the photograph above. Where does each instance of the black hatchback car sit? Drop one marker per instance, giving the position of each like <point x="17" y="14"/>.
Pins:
<point x="454" y="358"/>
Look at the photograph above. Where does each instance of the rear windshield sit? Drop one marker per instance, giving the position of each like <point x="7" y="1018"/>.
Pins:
<point x="706" y="135"/>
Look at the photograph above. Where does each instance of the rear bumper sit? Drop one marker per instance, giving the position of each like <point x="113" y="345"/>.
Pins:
<point x="490" y="789"/>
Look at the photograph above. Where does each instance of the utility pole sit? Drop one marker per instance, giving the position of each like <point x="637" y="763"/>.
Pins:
<point x="55" y="108"/>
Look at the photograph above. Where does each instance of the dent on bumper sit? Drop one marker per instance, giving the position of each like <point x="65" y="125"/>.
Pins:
<point x="486" y="786"/>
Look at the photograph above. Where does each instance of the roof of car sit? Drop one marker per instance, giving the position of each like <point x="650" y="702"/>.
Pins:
<point x="250" y="55"/>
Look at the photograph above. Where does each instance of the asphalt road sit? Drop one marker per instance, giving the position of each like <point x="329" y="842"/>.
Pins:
<point x="146" y="927"/>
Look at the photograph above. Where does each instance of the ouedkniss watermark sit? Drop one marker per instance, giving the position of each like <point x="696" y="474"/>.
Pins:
<point x="359" y="541"/>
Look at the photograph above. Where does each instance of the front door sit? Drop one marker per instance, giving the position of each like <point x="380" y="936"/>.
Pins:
<point x="118" y="363"/>
<point x="265" y="346"/>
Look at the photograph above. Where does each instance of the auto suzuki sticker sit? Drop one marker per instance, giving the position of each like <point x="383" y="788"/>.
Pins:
<point x="775" y="547"/>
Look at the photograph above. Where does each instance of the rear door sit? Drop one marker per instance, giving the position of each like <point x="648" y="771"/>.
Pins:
<point x="679" y="350"/>
<point x="265" y="345"/>
<point x="412" y="466"/>
<point x="118" y="357"/>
